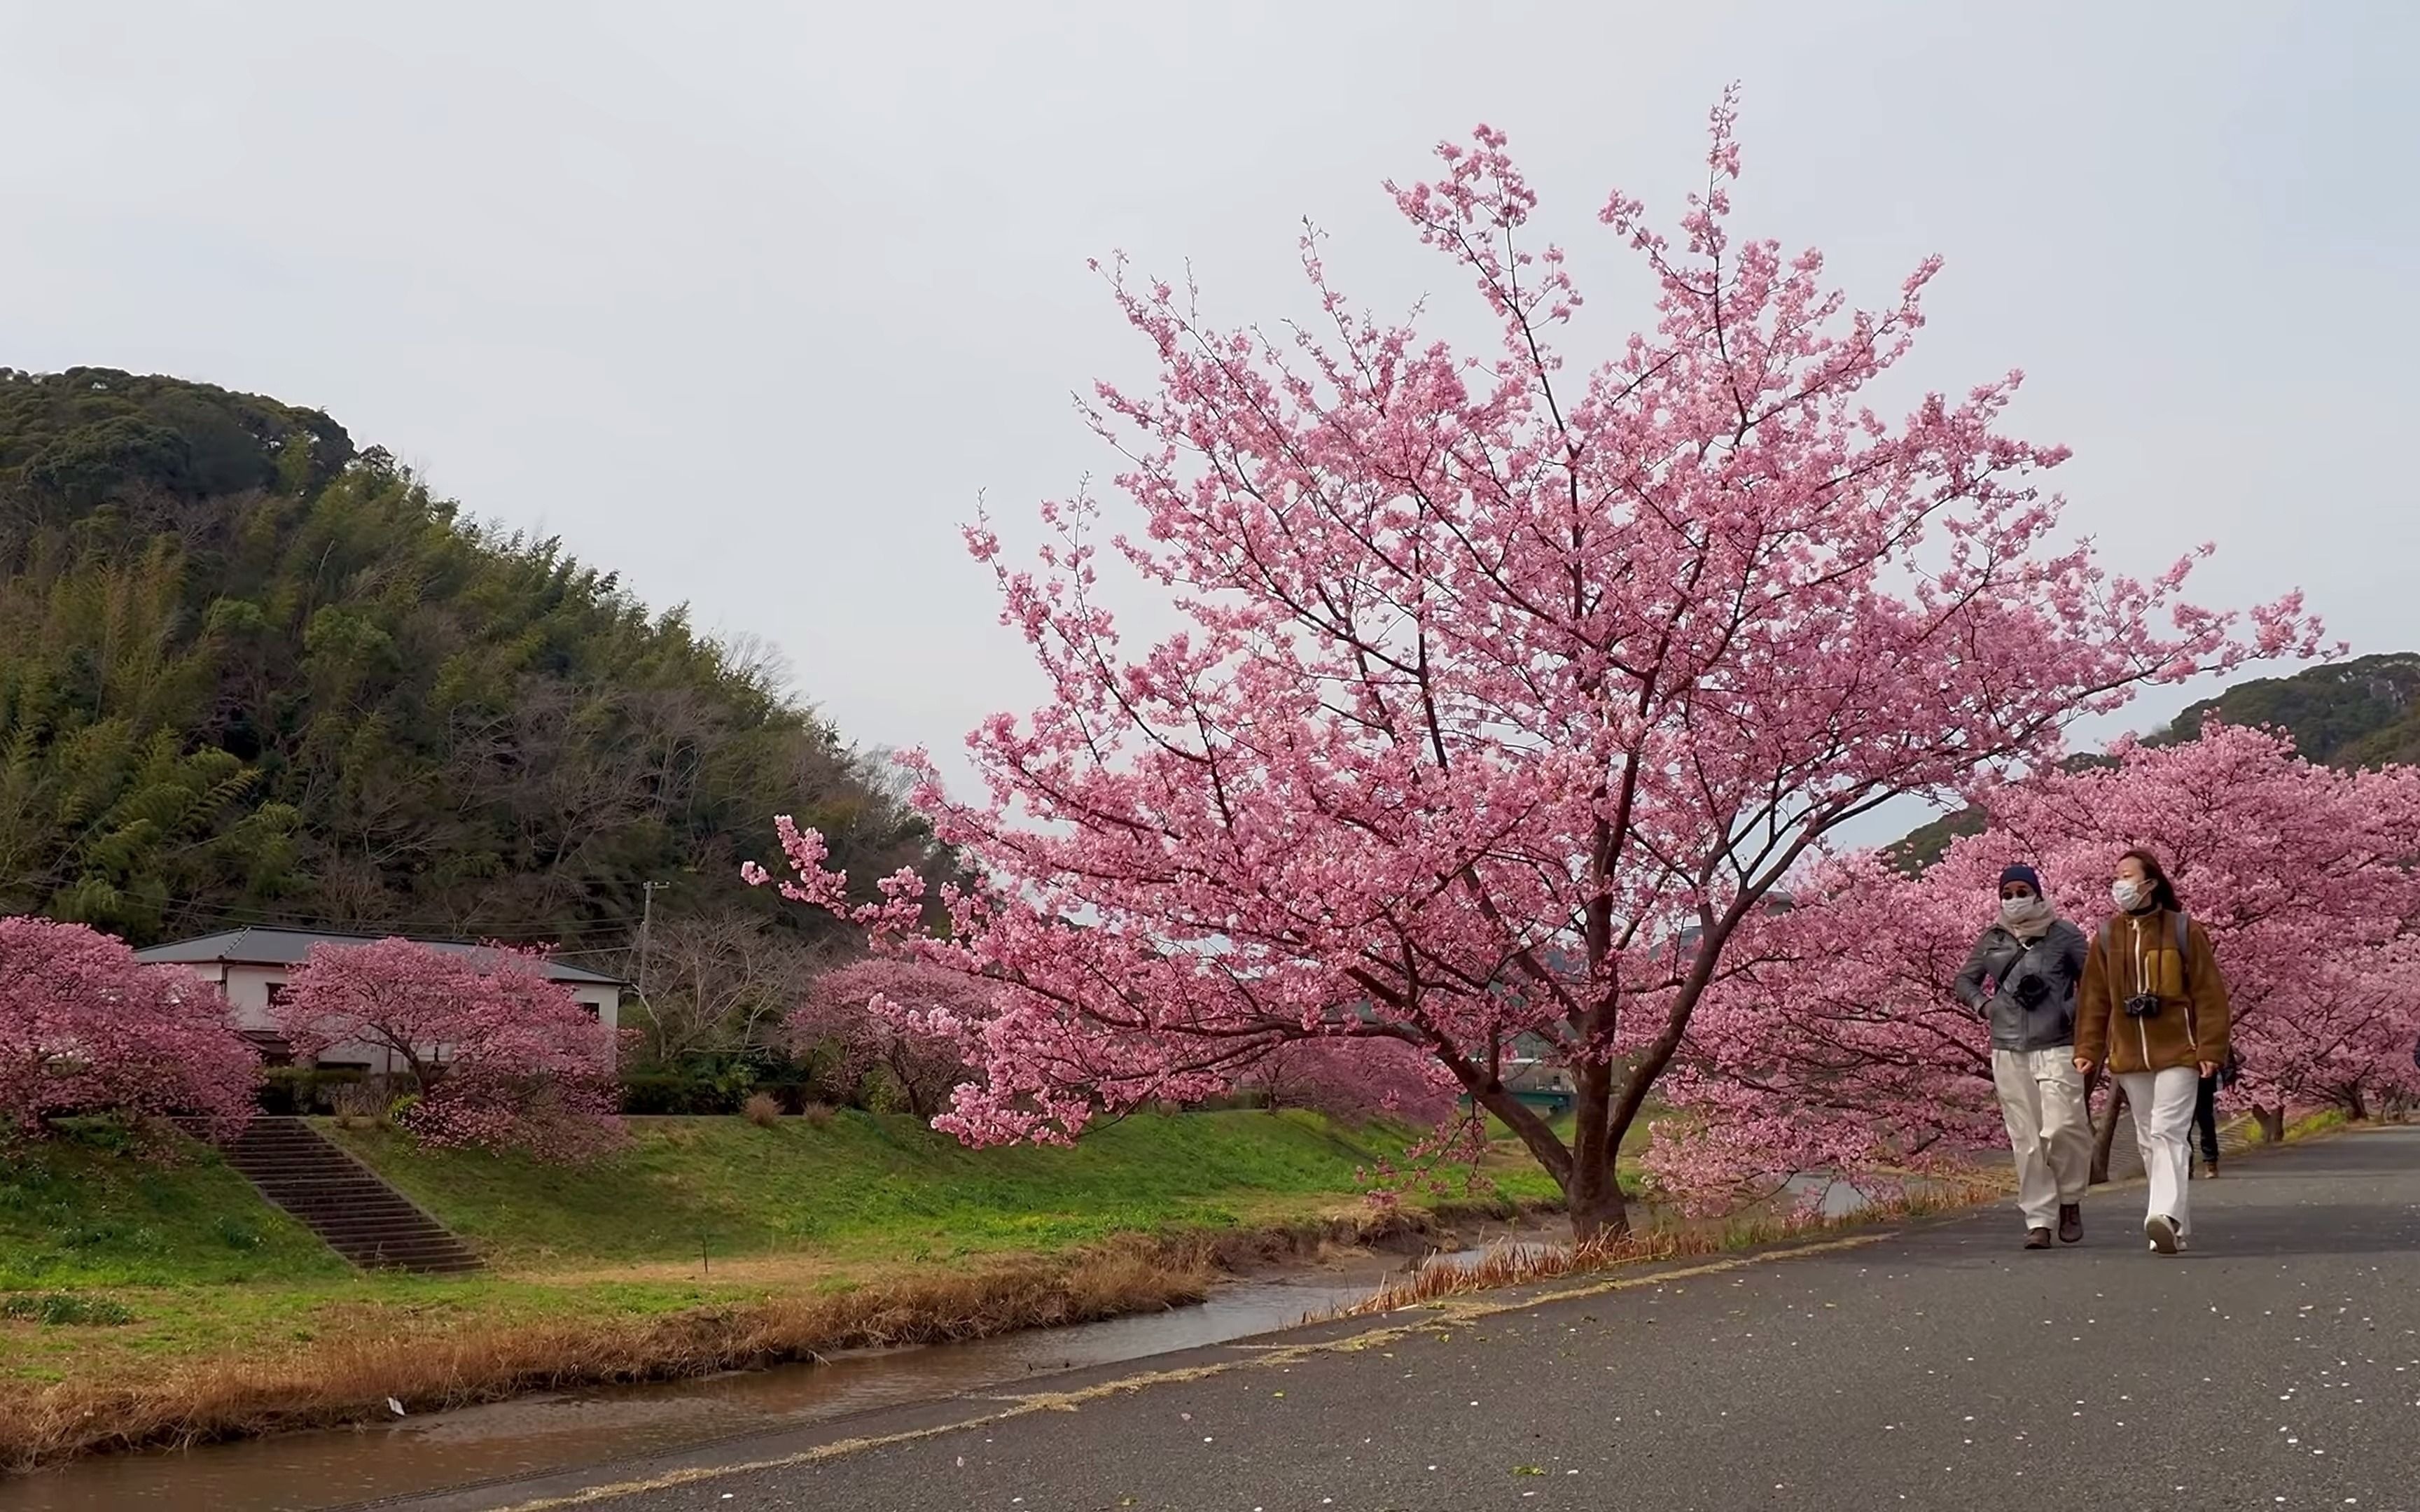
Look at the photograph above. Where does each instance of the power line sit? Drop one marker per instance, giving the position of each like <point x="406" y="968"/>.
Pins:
<point x="240" y="918"/>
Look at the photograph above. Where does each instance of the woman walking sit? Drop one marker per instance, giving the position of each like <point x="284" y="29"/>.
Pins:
<point x="2154" y="1008"/>
<point x="2031" y="960"/>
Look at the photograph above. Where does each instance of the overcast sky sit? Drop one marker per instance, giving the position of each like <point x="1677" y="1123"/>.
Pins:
<point x="750" y="302"/>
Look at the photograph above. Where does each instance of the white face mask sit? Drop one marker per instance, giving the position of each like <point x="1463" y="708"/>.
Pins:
<point x="2126" y="895"/>
<point x="2017" y="911"/>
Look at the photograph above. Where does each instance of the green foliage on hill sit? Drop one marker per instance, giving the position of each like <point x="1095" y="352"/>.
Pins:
<point x="2364" y="712"/>
<point x="248" y="675"/>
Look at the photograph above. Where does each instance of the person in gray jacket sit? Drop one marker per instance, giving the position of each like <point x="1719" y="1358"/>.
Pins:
<point x="2022" y="977"/>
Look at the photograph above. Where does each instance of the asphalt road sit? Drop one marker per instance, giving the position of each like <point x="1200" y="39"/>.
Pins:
<point x="2277" y="1364"/>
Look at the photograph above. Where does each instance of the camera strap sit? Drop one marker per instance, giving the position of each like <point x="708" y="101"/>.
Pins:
<point x="2184" y="949"/>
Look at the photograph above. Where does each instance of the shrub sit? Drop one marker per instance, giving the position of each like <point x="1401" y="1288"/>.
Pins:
<point x="358" y="1103"/>
<point x="60" y="1309"/>
<point x="663" y="1093"/>
<point x="306" y="1090"/>
<point x="819" y="1114"/>
<point x="762" y="1111"/>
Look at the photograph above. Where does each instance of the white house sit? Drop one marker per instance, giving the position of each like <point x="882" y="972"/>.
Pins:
<point x="251" y="966"/>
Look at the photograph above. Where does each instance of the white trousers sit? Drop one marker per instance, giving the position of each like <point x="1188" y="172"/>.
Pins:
<point x="2049" y="1128"/>
<point x="2163" y="1105"/>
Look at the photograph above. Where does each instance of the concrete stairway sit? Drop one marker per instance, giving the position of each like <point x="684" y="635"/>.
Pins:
<point x="344" y="1202"/>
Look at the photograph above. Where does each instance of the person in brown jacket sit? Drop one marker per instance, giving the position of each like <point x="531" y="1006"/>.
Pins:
<point x="2153" y="1008"/>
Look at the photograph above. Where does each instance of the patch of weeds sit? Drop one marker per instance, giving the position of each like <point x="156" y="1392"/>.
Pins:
<point x="60" y="1309"/>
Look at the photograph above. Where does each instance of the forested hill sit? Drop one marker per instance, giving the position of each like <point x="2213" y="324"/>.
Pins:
<point x="2363" y="713"/>
<point x="249" y="674"/>
<point x="2355" y="714"/>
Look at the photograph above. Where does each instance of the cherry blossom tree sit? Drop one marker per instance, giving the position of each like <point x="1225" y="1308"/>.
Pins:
<point x="85" y="1028"/>
<point x="1495" y="660"/>
<point x="1835" y="1043"/>
<point x="898" y="1015"/>
<point x="1353" y="1079"/>
<point x="499" y="1055"/>
<point x="2355" y="1038"/>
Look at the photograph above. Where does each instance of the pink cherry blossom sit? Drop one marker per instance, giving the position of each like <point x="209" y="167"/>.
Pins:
<point x="1353" y="1079"/>
<point x="1834" y="1042"/>
<point x="85" y="1027"/>
<point x="501" y="1056"/>
<point x="1501" y="670"/>
<point x="903" y="1016"/>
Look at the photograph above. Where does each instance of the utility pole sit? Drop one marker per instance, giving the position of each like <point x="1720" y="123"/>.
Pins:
<point x="647" y="891"/>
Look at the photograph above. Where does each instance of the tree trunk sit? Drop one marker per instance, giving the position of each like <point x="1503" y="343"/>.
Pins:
<point x="2107" y="1134"/>
<point x="1585" y="1168"/>
<point x="1594" y="1196"/>
<point x="2272" y="1124"/>
<point x="2356" y="1106"/>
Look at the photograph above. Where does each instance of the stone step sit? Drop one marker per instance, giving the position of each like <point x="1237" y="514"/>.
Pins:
<point x="343" y="1202"/>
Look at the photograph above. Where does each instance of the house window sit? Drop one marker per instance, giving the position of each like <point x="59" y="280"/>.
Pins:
<point x="278" y="991"/>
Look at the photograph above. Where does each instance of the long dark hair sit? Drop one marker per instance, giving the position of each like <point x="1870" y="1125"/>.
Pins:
<point x="2164" y="892"/>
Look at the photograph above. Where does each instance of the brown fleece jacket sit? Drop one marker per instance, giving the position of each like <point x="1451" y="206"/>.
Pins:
<point x="2137" y="953"/>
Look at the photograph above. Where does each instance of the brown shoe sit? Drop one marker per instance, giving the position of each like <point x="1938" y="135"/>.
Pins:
<point x="2037" y="1239"/>
<point x="2070" y="1223"/>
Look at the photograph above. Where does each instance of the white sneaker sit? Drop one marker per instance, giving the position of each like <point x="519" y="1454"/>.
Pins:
<point x="2161" y="1231"/>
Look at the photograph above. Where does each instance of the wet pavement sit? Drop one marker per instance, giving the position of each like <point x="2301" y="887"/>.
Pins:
<point x="2275" y="1366"/>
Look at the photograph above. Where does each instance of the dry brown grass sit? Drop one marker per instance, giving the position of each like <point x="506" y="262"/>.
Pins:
<point x="1516" y="1265"/>
<point x="763" y="1111"/>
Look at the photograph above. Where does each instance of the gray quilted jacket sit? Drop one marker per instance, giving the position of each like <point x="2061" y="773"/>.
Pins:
<point x="2027" y="991"/>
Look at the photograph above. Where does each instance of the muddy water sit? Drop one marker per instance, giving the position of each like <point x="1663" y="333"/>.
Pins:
<point x="533" y="1435"/>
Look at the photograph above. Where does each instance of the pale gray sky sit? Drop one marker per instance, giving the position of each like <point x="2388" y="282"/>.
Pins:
<point x="749" y="301"/>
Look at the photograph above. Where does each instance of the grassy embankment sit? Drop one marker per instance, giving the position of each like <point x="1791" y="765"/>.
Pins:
<point x="141" y="1304"/>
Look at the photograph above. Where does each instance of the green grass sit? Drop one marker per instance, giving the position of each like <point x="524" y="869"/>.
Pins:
<point x="87" y="1209"/>
<point x="126" y="1334"/>
<point x="867" y="1186"/>
<point x="112" y="1265"/>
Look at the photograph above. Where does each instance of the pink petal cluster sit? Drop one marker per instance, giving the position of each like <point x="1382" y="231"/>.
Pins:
<point x="85" y="1027"/>
<point x="903" y="1016"/>
<point x="1835" y="1043"/>
<point x="1502" y="671"/>
<point x="1354" y="1079"/>
<point x="501" y="1056"/>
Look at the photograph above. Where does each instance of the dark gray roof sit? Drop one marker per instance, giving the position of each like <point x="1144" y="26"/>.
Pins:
<point x="288" y="947"/>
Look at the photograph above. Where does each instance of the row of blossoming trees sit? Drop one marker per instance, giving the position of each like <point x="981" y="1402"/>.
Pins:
<point x="1512" y="689"/>
<point x="491" y="1053"/>
<point x="1832" y="1043"/>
